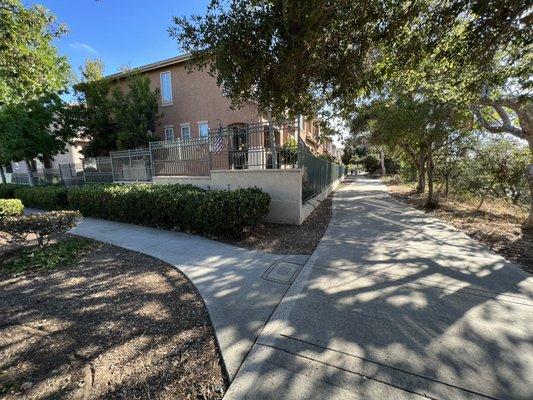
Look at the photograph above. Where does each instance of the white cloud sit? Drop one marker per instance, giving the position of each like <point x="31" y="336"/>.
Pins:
<point x="83" y="46"/>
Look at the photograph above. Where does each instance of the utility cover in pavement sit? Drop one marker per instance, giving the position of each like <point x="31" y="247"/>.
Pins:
<point x="282" y="272"/>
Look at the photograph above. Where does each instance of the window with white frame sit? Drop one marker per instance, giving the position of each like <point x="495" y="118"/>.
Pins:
<point x="203" y="129"/>
<point x="166" y="87"/>
<point x="185" y="131"/>
<point x="169" y="133"/>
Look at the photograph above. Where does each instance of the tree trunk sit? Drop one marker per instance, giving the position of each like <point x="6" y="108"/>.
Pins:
<point x="421" y="188"/>
<point x="529" y="221"/>
<point x="430" y="201"/>
<point x="2" y="174"/>
<point x="525" y="118"/>
<point x="382" y="159"/>
<point x="29" y="172"/>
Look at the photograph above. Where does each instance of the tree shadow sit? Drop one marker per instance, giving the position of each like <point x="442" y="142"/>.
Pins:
<point x="119" y="324"/>
<point x="399" y="305"/>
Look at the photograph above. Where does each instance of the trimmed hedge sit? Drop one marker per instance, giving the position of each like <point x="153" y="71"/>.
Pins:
<point x="7" y="190"/>
<point x="44" y="197"/>
<point x="44" y="226"/>
<point x="182" y="207"/>
<point x="10" y="208"/>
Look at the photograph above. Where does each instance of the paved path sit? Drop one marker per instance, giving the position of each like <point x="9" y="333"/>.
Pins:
<point x="394" y="304"/>
<point x="240" y="287"/>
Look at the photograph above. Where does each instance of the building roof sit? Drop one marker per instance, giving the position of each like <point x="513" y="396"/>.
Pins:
<point x="152" y="66"/>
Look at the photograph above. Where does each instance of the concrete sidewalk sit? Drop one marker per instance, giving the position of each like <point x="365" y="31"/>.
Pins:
<point x="394" y="304"/>
<point x="240" y="287"/>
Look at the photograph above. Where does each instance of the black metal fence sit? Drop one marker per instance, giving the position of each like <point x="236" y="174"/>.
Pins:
<point x="317" y="174"/>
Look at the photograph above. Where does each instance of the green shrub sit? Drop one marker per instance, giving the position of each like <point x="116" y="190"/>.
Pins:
<point x="44" y="197"/>
<point x="7" y="190"/>
<point x="10" y="207"/>
<point x="182" y="207"/>
<point x="43" y="226"/>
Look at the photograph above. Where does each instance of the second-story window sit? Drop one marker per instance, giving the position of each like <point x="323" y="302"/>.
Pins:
<point x="203" y="129"/>
<point x="166" y="88"/>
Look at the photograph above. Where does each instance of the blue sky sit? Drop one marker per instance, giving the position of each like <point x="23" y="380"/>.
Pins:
<point x="119" y="32"/>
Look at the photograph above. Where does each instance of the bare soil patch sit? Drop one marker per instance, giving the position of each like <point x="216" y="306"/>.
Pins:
<point x="116" y="324"/>
<point x="291" y="239"/>
<point x="497" y="224"/>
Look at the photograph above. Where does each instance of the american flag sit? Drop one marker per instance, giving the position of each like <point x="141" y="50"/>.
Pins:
<point x="218" y="143"/>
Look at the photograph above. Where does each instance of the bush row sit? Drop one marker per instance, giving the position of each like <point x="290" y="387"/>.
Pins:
<point x="182" y="207"/>
<point x="10" y="208"/>
<point x="44" y="197"/>
<point x="7" y="190"/>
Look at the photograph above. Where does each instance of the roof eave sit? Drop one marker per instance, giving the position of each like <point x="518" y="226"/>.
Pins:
<point x="152" y="66"/>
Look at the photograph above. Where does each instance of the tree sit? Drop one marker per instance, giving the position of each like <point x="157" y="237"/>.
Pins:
<point x="135" y="111"/>
<point x="416" y="124"/>
<point x="30" y="66"/>
<point x="289" y="54"/>
<point x="36" y="128"/>
<point x="95" y="110"/>
<point x="113" y="117"/>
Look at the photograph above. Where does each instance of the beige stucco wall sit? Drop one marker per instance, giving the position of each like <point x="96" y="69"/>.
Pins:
<point x="196" y="97"/>
<point x="283" y="186"/>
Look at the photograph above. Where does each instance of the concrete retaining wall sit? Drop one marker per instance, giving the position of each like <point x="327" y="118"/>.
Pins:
<point x="283" y="186"/>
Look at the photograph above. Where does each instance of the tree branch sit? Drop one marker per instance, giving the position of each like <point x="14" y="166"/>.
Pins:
<point x="505" y="126"/>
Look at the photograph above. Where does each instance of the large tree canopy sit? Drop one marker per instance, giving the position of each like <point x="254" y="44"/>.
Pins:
<point x="37" y="128"/>
<point x="30" y="66"/>
<point x="289" y="54"/>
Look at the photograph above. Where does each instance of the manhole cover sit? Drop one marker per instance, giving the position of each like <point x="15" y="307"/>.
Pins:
<point x="282" y="272"/>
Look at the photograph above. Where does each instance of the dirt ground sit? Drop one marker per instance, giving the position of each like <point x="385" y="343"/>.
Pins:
<point x="497" y="224"/>
<point x="118" y="324"/>
<point x="291" y="239"/>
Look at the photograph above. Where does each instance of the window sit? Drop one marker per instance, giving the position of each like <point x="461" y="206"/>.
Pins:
<point x="185" y="131"/>
<point x="169" y="133"/>
<point x="203" y="129"/>
<point x="166" y="88"/>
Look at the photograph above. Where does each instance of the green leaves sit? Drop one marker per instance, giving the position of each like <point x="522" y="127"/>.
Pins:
<point x="30" y="66"/>
<point x="10" y="208"/>
<point x="43" y="226"/>
<point x="35" y="128"/>
<point x="136" y="111"/>
<point x="114" y="117"/>
<point x="43" y="197"/>
<point x="182" y="207"/>
<point x="299" y="55"/>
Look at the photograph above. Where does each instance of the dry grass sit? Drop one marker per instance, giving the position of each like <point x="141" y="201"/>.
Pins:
<point x="497" y="223"/>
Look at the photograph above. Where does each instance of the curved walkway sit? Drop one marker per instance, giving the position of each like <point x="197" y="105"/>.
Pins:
<point x="240" y="287"/>
<point x="394" y="304"/>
